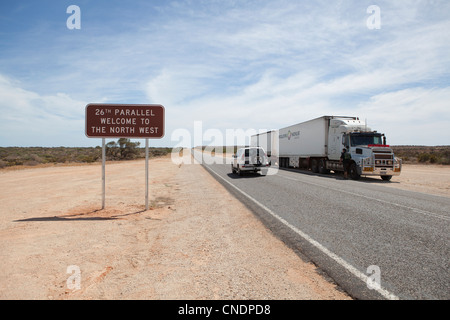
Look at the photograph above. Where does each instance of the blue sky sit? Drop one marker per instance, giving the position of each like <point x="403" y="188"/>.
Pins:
<point x="230" y="64"/>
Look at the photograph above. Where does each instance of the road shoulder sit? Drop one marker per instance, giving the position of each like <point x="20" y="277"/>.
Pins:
<point x="196" y="242"/>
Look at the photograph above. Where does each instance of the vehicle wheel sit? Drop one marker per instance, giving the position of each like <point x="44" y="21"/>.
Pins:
<point x="233" y="169"/>
<point x="354" y="172"/>
<point x="386" y="178"/>
<point x="323" y="167"/>
<point x="314" y="166"/>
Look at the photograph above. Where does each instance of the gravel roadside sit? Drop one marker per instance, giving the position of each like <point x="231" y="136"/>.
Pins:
<point x="196" y="242"/>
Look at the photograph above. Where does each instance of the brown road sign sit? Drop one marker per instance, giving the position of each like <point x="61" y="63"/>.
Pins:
<point x="125" y="121"/>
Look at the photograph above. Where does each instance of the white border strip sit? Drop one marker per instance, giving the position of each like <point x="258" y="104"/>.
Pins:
<point x="386" y="294"/>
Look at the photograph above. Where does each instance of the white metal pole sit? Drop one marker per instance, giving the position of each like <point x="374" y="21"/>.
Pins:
<point x="146" y="174"/>
<point x="103" y="172"/>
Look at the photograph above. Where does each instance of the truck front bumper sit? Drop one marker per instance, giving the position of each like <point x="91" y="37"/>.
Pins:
<point x="372" y="170"/>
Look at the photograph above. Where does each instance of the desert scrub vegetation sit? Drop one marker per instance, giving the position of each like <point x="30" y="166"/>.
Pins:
<point x="221" y="149"/>
<point x="32" y="156"/>
<point x="125" y="149"/>
<point x="423" y="154"/>
<point x="409" y="154"/>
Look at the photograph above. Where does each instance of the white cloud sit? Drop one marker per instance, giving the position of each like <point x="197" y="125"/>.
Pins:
<point x="29" y="119"/>
<point x="411" y="116"/>
<point x="323" y="61"/>
<point x="252" y="64"/>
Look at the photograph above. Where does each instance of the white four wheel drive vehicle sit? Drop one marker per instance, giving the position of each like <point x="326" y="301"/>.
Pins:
<point x="251" y="159"/>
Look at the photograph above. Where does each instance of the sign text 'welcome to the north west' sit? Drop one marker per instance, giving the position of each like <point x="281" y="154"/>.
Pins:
<point x="124" y="121"/>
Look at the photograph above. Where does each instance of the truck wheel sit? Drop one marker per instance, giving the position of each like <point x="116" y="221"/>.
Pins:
<point x="314" y="166"/>
<point x="233" y="169"/>
<point x="323" y="167"/>
<point x="386" y="178"/>
<point x="354" y="172"/>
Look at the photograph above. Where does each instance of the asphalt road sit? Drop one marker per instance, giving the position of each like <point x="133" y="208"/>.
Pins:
<point x="374" y="242"/>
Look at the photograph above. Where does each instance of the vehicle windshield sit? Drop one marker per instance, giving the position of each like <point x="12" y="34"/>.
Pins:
<point x="254" y="152"/>
<point x="361" y="139"/>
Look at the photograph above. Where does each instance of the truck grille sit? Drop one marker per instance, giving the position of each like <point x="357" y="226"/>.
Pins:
<point x="384" y="160"/>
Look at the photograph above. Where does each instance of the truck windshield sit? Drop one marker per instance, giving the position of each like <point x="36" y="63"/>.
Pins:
<point x="254" y="151"/>
<point x="359" y="139"/>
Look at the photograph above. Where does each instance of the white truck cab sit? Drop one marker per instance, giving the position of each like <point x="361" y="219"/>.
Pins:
<point x="369" y="151"/>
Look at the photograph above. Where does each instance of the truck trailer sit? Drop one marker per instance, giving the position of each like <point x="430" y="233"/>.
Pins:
<point x="317" y="144"/>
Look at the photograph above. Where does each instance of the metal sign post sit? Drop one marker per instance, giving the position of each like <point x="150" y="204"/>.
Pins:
<point x="103" y="172"/>
<point x="146" y="174"/>
<point x="133" y="121"/>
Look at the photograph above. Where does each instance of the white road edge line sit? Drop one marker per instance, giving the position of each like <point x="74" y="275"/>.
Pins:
<point x="339" y="260"/>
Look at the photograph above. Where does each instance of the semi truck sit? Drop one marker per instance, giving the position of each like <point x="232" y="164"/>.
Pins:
<point x="317" y="145"/>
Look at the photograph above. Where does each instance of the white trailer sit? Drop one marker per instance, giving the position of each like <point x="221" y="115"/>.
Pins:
<point x="269" y="142"/>
<point x="317" y="145"/>
<point x="302" y="140"/>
